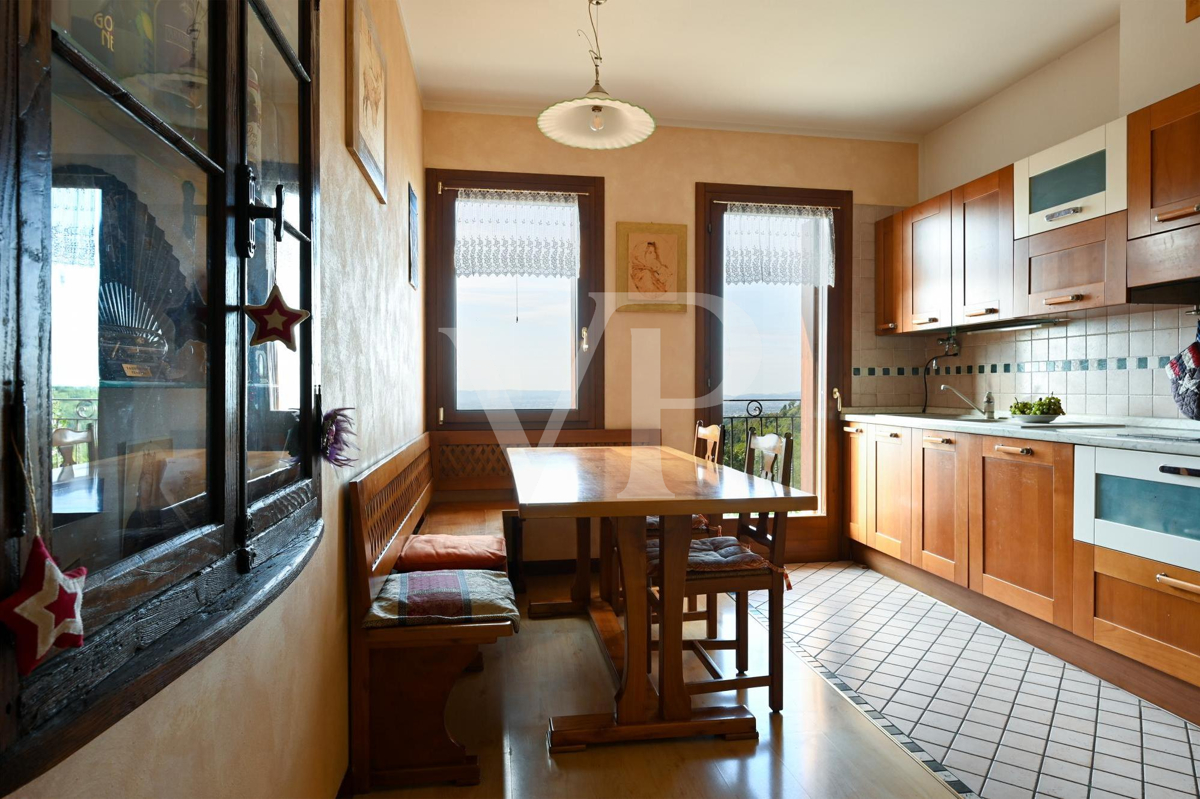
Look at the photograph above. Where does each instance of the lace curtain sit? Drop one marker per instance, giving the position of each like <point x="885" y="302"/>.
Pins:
<point x="779" y="244"/>
<point x="75" y="226"/>
<point x="516" y="233"/>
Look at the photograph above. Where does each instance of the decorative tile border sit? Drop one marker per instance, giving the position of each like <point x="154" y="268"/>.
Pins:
<point x="1068" y="365"/>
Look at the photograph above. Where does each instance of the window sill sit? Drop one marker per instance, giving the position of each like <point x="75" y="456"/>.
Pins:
<point x="87" y="714"/>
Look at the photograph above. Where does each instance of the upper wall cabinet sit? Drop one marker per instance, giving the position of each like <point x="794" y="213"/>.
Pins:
<point x="1164" y="190"/>
<point x="889" y="274"/>
<point x="1080" y="179"/>
<point x="927" y="265"/>
<point x="1078" y="267"/>
<point x="982" y="249"/>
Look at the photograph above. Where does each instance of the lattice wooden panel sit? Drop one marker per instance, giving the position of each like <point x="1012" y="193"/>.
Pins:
<point x="388" y="509"/>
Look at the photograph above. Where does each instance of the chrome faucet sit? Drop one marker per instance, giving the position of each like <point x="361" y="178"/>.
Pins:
<point x="989" y="403"/>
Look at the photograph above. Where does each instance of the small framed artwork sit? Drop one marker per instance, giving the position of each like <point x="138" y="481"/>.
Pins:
<point x="651" y="267"/>
<point x="366" y="97"/>
<point x="414" y="250"/>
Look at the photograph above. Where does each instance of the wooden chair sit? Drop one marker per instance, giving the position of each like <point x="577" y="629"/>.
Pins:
<point x="769" y="532"/>
<point x="709" y="444"/>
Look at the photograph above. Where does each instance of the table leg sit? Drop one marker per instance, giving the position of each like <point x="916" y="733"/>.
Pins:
<point x="674" y="700"/>
<point x="631" y="546"/>
<point x="581" y="588"/>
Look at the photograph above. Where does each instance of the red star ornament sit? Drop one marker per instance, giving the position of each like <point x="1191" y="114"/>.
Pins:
<point x="275" y="320"/>
<point x="46" y="610"/>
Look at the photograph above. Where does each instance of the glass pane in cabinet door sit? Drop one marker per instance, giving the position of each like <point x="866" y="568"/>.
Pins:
<point x="273" y="426"/>
<point x="157" y="49"/>
<point x="129" y="336"/>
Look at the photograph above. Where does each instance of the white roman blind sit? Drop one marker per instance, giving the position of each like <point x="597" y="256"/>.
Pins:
<point x="516" y="233"/>
<point x="779" y="244"/>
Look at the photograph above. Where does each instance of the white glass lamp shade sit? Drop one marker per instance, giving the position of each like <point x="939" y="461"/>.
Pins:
<point x="575" y="122"/>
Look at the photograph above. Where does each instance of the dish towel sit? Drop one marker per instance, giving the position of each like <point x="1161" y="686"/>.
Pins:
<point x="1184" y="373"/>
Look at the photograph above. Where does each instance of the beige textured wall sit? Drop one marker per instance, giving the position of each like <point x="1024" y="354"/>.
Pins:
<point x="1071" y="95"/>
<point x="265" y="715"/>
<point x="1160" y="53"/>
<point x="656" y="182"/>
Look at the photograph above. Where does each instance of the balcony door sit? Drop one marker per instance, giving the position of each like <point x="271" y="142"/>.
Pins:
<point x="775" y="263"/>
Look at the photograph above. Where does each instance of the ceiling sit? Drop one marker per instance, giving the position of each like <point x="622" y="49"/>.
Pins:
<point x="875" y="68"/>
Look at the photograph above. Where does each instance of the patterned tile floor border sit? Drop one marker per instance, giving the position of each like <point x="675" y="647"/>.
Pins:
<point x="986" y="712"/>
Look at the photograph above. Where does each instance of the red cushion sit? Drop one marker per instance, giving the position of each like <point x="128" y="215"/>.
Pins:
<point x="433" y="552"/>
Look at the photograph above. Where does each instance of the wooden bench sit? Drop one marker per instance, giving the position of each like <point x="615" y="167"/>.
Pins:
<point x="401" y="677"/>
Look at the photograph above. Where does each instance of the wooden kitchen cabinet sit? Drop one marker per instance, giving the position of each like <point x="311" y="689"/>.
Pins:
<point x="1147" y="611"/>
<point x="889" y="274"/>
<point x="928" y="268"/>
<point x="1020" y="519"/>
<point x="1164" y="190"/>
<point x="857" y="442"/>
<point x="1071" y="268"/>
<point x="889" y="490"/>
<point x="982" y="249"/>
<point x="940" y="488"/>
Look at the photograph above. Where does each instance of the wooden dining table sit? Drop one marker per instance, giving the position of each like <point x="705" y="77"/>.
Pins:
<point x="627" y="484"/>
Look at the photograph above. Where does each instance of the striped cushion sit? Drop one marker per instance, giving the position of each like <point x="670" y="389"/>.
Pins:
<point x="451" y="596"/>
<point x="707" y="555"/>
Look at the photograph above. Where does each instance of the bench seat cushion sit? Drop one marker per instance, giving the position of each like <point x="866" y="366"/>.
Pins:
<point x="713" y="557"/>
<point x="436" y="552"/>
<point x="450" y="596"/>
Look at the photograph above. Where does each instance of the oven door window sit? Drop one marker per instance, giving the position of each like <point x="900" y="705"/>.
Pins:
<point x="1149" y="505"/>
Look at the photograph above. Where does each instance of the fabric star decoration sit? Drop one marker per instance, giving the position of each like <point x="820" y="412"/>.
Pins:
<point x="275" y="320"/>
<point x="46" y="611"/>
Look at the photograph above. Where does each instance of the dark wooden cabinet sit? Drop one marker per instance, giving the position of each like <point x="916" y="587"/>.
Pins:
<point x="940" y="478"/>
<point x="857" y="442"/>
<point x="928" y="266"/>
<point x="1071" y="268"/>
<point x="982" y="249"/>
<point x="1020" y="521"/>
<point x="889" y="274"/>
<point x="1164" y="190"/>
<point x="889" y="490"/>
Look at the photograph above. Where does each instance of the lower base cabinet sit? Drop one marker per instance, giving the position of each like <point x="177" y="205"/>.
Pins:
<point x="889" y="490"/>
<point x="1021" y="516"/>
<point x="940" y="489"/>
<point x="857" y="440"/>
<point x="1145" y="610"/>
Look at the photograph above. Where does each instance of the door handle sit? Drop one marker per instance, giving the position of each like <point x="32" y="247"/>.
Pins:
<point x="837" y="395"/>
<point x="888" y="435"/>
<point x="1182" y="471"/>
<point x="982" y="312"/>
<point x="249" y="211"/>
<point x="924" y="320"/>
<point x="1074" y="209"/>
<point x="852" y="429"/>
<point x="1162" y="577"/>
<point x="1014" y="450"/>
<point x="937" y="440"/>
<point x="1178" y="213"/>
<point x="584" y="342"/>
<point x="1063" y="300"/>
<point x="888" y="326"/>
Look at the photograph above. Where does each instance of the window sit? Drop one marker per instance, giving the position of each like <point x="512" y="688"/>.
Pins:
<point x="163" y="449"/>
<point x="513" y="264"/>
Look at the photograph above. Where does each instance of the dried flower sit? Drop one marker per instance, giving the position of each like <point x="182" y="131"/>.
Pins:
<point x="337" y="427"/>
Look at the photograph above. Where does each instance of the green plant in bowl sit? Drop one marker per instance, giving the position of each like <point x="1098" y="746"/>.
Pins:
<point x="1041" y="410"/>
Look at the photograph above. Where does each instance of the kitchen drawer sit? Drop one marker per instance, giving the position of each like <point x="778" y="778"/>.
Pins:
<point x="1148" y="611"/>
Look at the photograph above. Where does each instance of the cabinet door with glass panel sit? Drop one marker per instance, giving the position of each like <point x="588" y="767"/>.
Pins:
<point x="159" y="442"/>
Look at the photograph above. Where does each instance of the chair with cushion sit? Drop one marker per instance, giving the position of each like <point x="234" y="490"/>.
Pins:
<point x="723" y="564"/>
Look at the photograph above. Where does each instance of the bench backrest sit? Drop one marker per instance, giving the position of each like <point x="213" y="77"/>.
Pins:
<point x="386" y="503"/>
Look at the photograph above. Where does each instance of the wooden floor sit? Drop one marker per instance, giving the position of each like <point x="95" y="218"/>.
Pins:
<point x="819" y="747"/>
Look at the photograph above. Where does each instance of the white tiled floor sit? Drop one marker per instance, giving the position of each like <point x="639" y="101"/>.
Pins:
<point x="1007" y="718"/>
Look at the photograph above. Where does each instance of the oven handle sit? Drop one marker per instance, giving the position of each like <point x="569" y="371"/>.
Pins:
<point x="1181" y="471"/>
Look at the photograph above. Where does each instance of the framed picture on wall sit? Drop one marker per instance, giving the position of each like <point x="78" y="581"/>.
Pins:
<point x="414" y="251"/>
<point x="366" y="97"/>
<point x="651" y="267"/>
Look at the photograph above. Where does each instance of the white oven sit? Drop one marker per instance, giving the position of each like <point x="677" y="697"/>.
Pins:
<point x="1142" y="503"/>
<point x="1080" y="179"/>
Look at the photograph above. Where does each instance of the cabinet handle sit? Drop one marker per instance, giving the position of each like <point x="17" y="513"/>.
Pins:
<point x="1173" y="583"/>
<point x="893" y="435"/>
<point x="1014" y="450"/>
<point x="1063" y="300"/>
<point x="937" y="440"/>
<point x="1074" y="209"/>
<point x="888" y="326"/>
<point x="852" y="429"/>
<point x="924" y="320"/>
<point x="981" y="312"/>
<point x="1182" y="471"/>
<point x="1178" y="213"/>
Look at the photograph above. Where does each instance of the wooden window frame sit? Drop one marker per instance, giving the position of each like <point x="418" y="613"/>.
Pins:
<point x="150" y="617"/>
<point x="440" y="185"/>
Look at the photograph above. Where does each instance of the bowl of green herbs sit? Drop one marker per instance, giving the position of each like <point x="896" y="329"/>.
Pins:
<point x="1040" y="411"/>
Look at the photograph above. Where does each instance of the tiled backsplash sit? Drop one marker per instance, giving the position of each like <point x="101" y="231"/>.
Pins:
<point x="1104" y="361"/>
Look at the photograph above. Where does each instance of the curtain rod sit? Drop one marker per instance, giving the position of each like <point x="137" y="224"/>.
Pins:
<point x="778" y="205"/>
<point x="510" y="191"/>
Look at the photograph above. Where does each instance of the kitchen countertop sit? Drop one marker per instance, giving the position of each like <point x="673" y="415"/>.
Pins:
<point x="1096" y="431"/>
